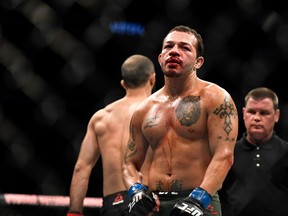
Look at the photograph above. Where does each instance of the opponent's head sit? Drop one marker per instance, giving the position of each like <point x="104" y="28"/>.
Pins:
<point x="137" y="70"/>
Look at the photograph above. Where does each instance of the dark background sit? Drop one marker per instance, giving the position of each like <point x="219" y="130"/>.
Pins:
<point x="60" y="62"/>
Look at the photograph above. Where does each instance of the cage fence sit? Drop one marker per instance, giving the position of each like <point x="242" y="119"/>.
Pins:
<point x="43" y="205"/>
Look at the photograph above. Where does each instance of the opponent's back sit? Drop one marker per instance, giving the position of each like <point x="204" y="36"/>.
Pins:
<point x="112" y="132"/>
<point x="111" y="124"/>
<point x="106" y="137"/>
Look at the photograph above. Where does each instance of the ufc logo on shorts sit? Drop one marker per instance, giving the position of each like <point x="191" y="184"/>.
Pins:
<point x="191" y="210"/>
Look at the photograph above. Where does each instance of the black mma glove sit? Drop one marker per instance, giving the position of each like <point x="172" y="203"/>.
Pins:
<point x="143" y="200"/>
<point x="194" y="204"/>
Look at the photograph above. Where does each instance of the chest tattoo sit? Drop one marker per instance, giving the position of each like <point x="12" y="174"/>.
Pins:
<point x="151" y="122"/>
<point x="188" y="110"/>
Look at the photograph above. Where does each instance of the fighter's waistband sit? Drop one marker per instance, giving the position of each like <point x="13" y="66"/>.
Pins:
<point x="172" y="194"/>
<point x="123" y="193"/>
<point x="120" y="197"/>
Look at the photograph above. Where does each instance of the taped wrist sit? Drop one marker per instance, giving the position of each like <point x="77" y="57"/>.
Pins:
<point x="135" y="188"/>
<point x="202" y="196"/>
<point x="74" y="214"/>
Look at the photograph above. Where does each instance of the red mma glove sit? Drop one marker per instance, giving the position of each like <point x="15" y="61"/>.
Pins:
<point x="74" y="214"/>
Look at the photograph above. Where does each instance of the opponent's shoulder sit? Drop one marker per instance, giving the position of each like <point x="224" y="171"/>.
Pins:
<point x="101" y="120"/>
<point x="97" y="117"/>
<point x="101" y="113"/>
<point x="149" y="102"/>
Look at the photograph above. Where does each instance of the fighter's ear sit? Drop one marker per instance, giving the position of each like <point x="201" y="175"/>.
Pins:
<point x="199" y="62"/>
<point x="152" y="79"/>
<point x="123" y="84"/>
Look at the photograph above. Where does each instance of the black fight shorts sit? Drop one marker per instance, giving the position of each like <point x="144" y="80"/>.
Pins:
<point x="115" y="204"/>
<point x="169" y="199"/>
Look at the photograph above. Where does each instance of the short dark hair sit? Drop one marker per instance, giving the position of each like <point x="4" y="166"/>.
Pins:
<point x="200" y="45"/>
<point x="262" y="93"/>
<point x="136" y="70"/>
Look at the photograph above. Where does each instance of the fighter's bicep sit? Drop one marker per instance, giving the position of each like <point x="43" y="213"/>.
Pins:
<point x="223" y="121"/>
<point x="135" y="152"/>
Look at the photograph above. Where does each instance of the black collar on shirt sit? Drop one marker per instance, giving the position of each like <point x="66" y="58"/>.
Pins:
<point x="249" y="146"/>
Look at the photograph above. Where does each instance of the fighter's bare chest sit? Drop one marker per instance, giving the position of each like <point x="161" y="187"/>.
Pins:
<point x="179" y="116"/>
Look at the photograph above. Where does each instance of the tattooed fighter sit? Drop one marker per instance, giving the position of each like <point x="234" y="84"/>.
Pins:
<point x="191" y="125"/>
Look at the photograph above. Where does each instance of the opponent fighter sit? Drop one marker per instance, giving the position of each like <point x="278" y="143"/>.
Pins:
<point x="107" y="135"/>
<point x="191" y="126"/>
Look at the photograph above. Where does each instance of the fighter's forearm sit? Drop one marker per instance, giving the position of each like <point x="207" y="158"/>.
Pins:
<point x="131" y="175"/>
<point x="216" y="174"/>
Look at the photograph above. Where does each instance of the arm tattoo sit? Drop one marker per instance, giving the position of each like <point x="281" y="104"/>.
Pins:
<point x="131" y="146"/>
<point x="188" y="111"/>
<point x="226" y="111"/>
